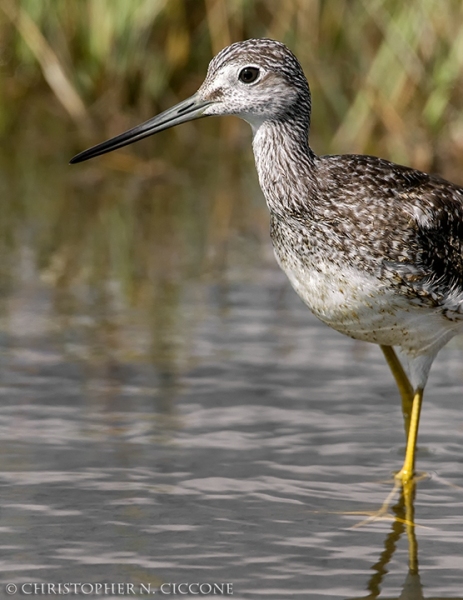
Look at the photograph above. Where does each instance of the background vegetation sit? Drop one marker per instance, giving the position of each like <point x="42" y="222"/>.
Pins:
<point x="132" y="229"/>
<point x="386" y="75"/>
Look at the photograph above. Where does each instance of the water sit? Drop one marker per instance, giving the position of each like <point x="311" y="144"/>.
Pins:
<point x="170" y="411"/>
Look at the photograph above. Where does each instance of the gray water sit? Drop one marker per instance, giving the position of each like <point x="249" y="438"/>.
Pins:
<point x="254" y="464"/>
<point x="170" y="412"/>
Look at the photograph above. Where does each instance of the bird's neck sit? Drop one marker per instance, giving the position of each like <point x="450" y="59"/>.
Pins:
<point x="285" y="164"/>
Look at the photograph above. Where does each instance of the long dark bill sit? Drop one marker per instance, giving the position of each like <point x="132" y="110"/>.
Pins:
<point x="192" y="108"/>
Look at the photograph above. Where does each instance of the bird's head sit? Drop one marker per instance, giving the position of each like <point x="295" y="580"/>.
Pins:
<point x="258" y="80"/>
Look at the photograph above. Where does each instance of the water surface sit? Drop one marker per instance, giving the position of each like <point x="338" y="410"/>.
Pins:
<point x="171" y="412"/>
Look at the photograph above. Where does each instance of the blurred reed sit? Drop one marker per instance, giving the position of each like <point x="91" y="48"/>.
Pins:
<point x="386" y="79"/>
<point x="385" y="75"/>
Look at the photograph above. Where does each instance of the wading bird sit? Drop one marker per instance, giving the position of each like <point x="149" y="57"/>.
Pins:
<point x="373" y="248"/>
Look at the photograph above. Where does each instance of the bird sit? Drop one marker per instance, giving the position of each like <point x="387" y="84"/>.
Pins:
<point x="373" y="248"/>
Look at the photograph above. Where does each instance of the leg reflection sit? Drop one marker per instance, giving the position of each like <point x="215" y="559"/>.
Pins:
<point x="403" y="521"/>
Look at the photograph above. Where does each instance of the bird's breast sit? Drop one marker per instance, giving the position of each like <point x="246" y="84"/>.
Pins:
<point x="354" y="301"/>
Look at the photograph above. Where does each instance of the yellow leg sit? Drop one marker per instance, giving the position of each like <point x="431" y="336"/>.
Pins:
<point x="407" y="471"/>
<point x="404" y="385"/>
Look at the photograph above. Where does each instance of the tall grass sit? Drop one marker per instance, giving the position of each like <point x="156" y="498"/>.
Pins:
<point x="386" y="75"/>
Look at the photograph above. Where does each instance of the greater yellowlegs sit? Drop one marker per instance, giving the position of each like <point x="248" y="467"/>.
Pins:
<point x="373" y="248"/>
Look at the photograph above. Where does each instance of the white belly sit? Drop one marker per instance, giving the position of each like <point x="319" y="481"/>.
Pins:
<point x="361" y="306"/>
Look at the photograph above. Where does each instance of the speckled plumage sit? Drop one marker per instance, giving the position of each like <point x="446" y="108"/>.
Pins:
<point x="373" y="248"/>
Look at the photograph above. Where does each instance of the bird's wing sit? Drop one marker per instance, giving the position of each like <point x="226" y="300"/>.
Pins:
<point x="402" y="221"/>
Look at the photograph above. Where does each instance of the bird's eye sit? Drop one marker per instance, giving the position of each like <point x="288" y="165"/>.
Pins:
<point x="248" y="74"/>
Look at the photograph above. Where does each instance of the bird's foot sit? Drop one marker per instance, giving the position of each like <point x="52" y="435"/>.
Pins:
<point x="405" y="475"/>
<point x="408" y="477"/>
<point x="383" y="512"/>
